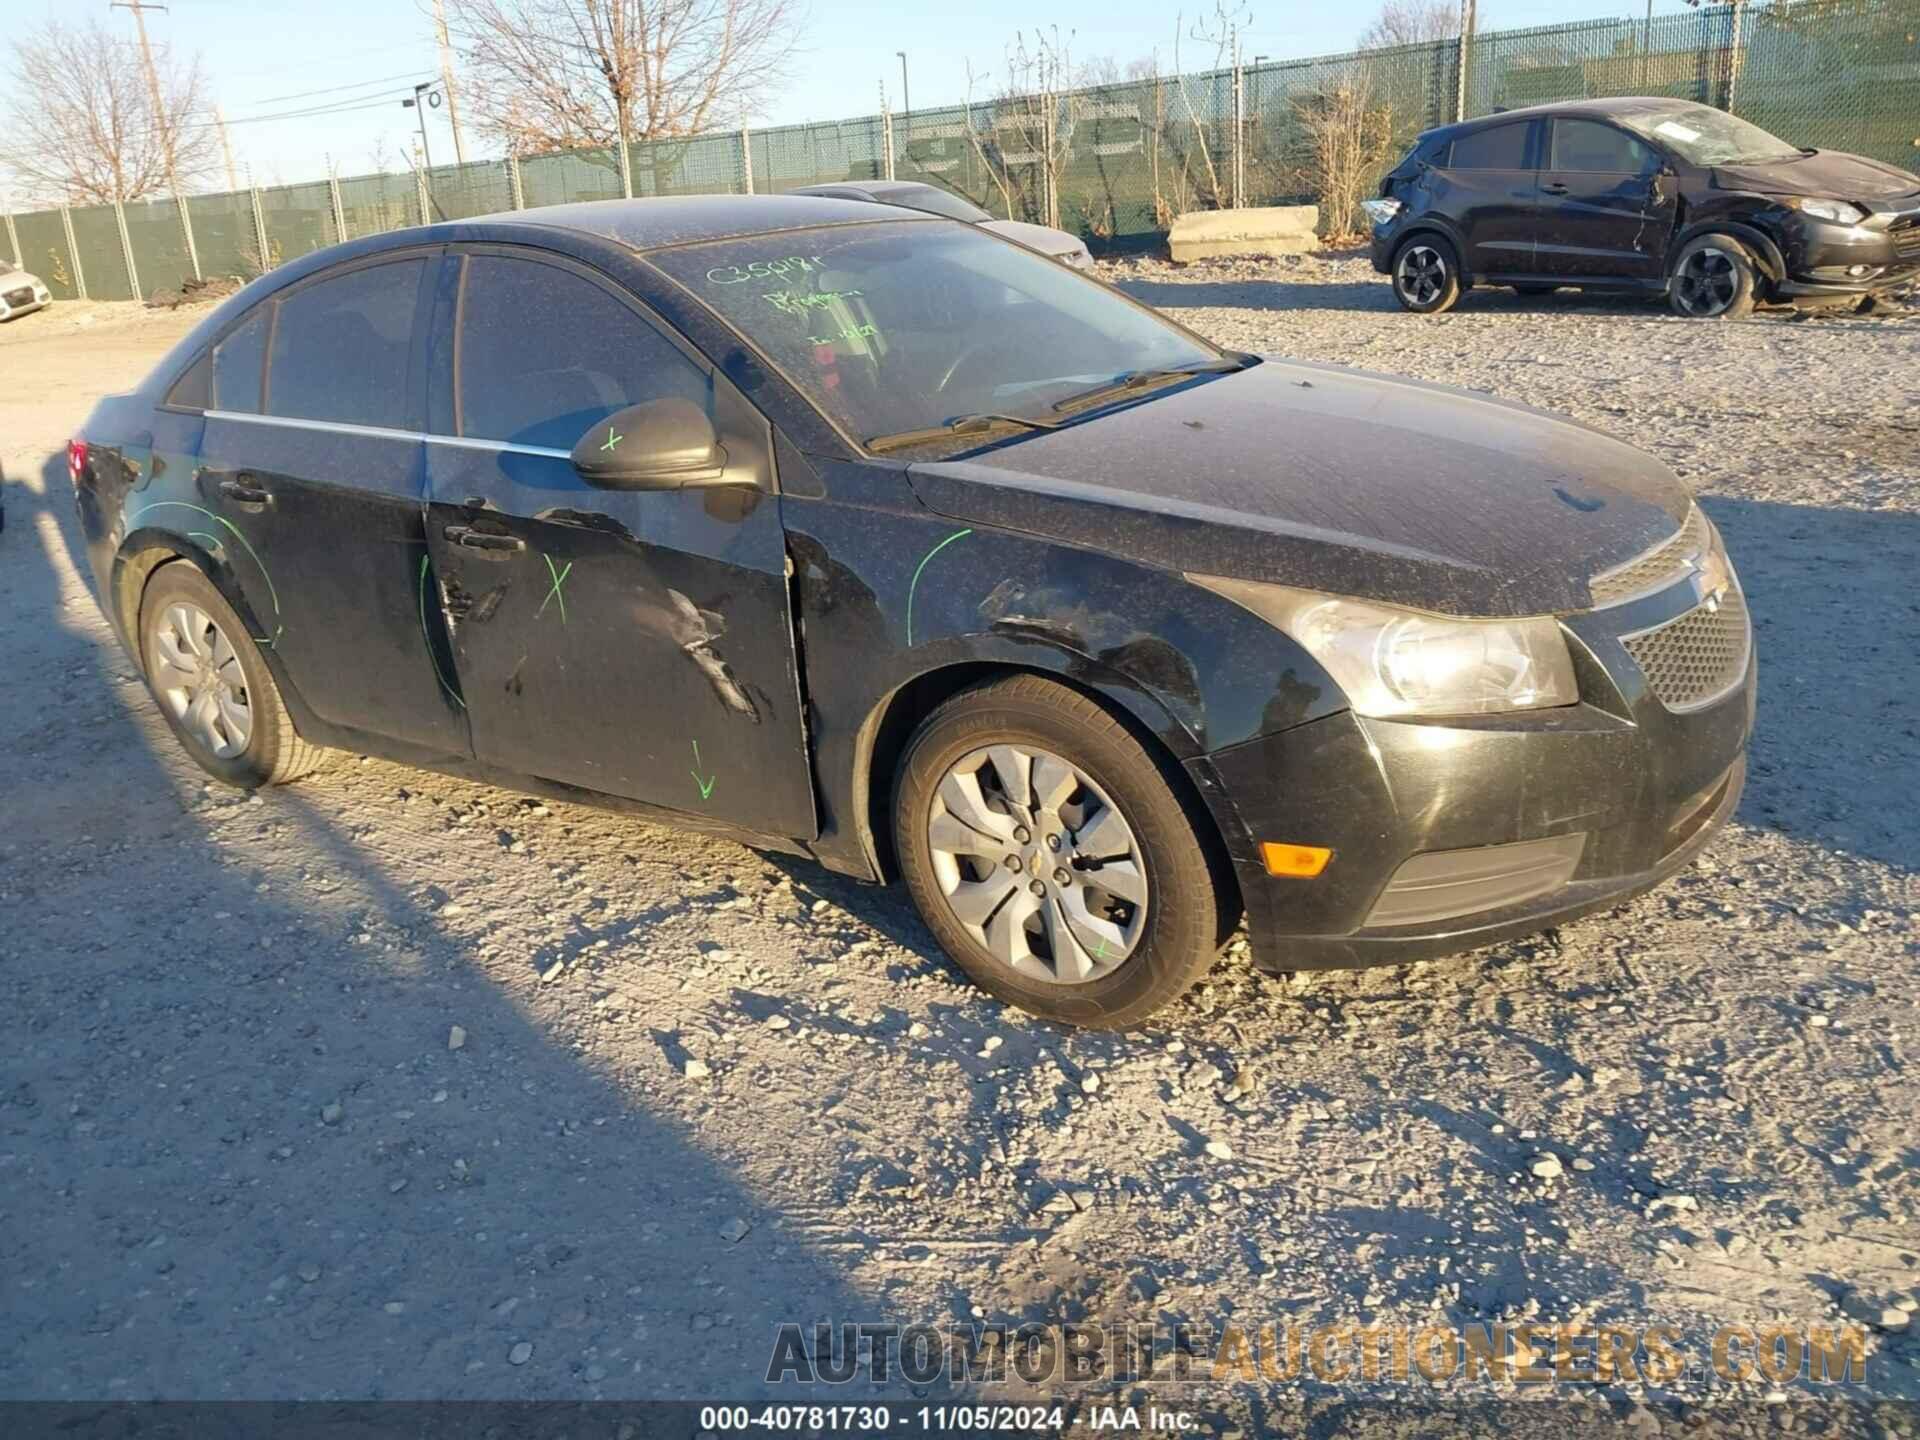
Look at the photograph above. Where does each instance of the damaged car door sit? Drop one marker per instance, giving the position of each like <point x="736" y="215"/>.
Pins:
<point x="638" y="643"/>
<point x="1604" y="207"/>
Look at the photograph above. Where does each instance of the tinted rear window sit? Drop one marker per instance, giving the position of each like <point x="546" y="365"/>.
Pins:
<point x="1502" y="147"/>
<point x="342" y="346"/>
<point x="237" y="360"/>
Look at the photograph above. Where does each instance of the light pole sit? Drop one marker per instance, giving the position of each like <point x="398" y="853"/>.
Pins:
<point x="422" y="96"/>
<point x="906" y="100"/>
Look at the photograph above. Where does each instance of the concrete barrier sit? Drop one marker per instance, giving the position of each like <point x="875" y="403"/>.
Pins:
<point x="1264" y="230"/>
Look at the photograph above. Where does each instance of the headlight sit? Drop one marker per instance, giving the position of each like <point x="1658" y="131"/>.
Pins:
<point x="1405" y="662"/>
<point x="1380" y="211"/>
<point x="1843" y="211"/>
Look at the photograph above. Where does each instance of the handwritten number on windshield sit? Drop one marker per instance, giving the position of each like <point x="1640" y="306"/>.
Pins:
<point x="765" y="270"/>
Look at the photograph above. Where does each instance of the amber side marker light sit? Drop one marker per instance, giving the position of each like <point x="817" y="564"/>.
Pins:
<point x="1294" y="862"/>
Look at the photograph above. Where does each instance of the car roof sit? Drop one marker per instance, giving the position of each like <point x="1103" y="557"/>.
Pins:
<point x="1606" y="106"/>
<point x="648" y="224"/>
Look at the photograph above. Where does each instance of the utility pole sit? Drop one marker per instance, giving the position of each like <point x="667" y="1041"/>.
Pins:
<point x="446" y="79"/>
<point x="1467" y="16"/>
<point x="139" y="9"/>
<point x="226" y="148"/>
<point x="906" y="95"/>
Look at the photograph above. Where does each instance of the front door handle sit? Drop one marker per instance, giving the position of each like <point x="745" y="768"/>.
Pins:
<point x="246" y="494"/>
<point x="474" y="539"/>
<point x="1554" y="187"/>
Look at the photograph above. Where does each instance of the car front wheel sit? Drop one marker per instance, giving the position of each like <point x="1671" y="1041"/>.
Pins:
<point x="212" y="685"/>
<point x="1713" y="278"/>
<point x="1051" y="857"/>
<point x="1426" y="275"/>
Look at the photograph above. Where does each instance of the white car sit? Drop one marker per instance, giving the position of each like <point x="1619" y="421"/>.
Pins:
<point x="21" y="291"/>
<point x="913" y="195"/>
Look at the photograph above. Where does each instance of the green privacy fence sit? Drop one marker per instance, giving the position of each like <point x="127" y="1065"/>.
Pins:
<point x="1113" y="162"/>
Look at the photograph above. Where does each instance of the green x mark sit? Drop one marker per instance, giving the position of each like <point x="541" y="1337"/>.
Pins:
<point x="612" y="439"/>
<point x="553" y="591"/>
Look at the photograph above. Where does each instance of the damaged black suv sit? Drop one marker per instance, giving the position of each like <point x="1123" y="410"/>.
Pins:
<point x="1652" y="195"/>
<point x="880" y="539"/>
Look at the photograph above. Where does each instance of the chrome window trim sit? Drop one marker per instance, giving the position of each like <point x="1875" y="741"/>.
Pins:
<point x="380" y="432"/>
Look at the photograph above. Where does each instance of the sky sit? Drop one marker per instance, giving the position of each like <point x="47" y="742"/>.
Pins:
<point x="360" y="58"/>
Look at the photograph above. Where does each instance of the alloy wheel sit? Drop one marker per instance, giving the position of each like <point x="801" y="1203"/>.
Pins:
<point x="1422" y="274"/>
<point x="1038" y="863"/>
<point x="1706" y="283"/>
<point x="197" y="675"/>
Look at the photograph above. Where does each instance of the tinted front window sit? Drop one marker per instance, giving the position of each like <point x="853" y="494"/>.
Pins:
<point x="1589" y="145"/>
<point x="546" y="353"/>
<point x="905" y="326"/>
<point x="342" y="346"/>
<point x="1501" y="147"/>
<point x="237" y="361"/>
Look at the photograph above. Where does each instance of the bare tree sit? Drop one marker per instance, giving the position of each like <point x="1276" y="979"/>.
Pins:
<point x="81" y="121"/>
<point x="1411" y="22"/>
<point x="555" y="74"/>
<point x="1350" y="140"/>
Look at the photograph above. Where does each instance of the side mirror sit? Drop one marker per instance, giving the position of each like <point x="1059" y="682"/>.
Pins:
<point x="657" y="445"/>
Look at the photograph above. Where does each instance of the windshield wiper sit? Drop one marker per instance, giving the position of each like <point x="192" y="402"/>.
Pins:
<point x="959" y="425"/>
<point x="1139" y="379"/>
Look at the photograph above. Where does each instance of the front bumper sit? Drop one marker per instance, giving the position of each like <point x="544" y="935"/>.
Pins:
<point x="1826" y="258"/>
<point x="1632" y="789"/>
<point x="11" y="309"/>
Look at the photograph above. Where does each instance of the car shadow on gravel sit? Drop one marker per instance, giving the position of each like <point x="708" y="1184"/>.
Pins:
<point x="1836" y="746"/>
<point x="246" y="1158"/>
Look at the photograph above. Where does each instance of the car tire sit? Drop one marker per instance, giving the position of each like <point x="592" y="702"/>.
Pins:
<point x="1713" y="278"/>
<point x="213" y="686"/>
<point x="1132" y="905"/>
<point x="1426" y="274"/>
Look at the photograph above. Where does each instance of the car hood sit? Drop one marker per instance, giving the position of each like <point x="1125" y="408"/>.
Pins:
<point x="12" y="279"/>
<point x="1334" y="480"/>
<point x="1832" y="174"/>
<point x="1043" y="238"/>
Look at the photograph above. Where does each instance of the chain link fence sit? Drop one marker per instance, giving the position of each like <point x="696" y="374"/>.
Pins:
<point x="1115" y="163"/>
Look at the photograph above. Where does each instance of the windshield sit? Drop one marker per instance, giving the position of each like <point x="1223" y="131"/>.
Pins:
<point x="909" y="325"/>
<point x="1704" y="136"/>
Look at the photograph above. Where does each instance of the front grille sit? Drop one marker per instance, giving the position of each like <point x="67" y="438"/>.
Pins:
<point x="1656" y="568"/>
<point x="1443" y="884"/>
<point x="1695" y="659"/>
<point x="22" y="296"/>
<point x="1906" y="236"/>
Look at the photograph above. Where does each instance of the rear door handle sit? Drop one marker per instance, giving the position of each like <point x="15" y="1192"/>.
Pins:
<point x="474" y="539"/>
<point x="1554" y="187"/>
<point x="246" y="494"/>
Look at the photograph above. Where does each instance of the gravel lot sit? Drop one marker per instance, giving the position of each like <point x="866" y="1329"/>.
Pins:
<point x="699" y="1091"/>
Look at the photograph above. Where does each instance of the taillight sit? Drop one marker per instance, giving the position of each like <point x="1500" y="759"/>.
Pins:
<point x="76" y="459"/>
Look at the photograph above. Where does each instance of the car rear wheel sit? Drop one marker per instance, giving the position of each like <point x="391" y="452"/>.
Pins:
<point x="1713" y="278"/>
<point x="212" y="685"/>
<point x="1426" y="275"/>
<point x="1051" y="857"/>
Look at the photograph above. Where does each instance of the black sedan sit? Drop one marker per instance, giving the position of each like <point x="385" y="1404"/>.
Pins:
<point x="882" y="540"/>
<point x="1658" y="196"/>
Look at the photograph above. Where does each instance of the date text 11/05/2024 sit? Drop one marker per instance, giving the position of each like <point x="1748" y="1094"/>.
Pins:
<point x="940" y="1419"/>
